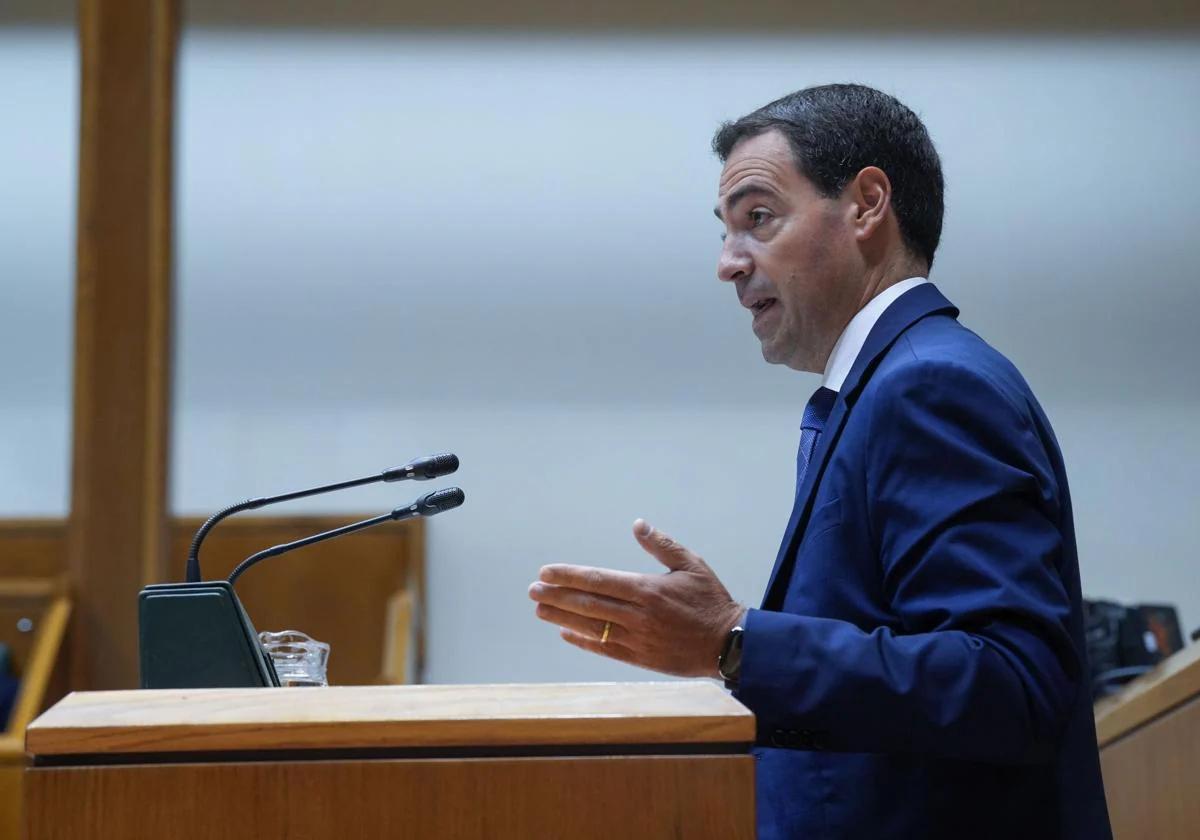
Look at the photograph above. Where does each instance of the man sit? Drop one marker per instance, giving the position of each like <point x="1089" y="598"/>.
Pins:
<point x="917" y="666"/>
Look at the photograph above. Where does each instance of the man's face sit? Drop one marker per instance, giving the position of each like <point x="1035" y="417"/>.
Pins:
<point x="788" y="251"/>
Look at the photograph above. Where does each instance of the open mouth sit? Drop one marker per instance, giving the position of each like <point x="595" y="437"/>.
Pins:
<point x="762" y="306"/>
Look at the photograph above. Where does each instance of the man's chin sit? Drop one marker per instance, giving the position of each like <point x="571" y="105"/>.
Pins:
<point x="772" y="355"/>
<point x="773" y="337"/>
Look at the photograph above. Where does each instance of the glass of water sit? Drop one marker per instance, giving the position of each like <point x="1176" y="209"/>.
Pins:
<point x="299" y="660"/>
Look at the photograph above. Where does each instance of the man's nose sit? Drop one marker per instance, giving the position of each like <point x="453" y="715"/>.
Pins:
<point x="734" y="264"/>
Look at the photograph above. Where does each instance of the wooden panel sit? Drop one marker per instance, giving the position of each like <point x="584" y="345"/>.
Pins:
<point x="12" y="774"/>
<point x="381" y="716"/>
<point x="336" y="591"/>
<point x="117" y="537"/>
<point x="398" y="650"/>
<point x="33" y="548"/>
<point x="600" y="798"/>
<point x="1173" y="682"/>
<point x="12" y="786"/>
<point x="1151" y="776"/>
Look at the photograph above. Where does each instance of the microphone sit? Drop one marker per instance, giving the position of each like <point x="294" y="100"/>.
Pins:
<point x="430" y="504"/>
<point x="422" y="469"/>
<point x="198" y="635"/>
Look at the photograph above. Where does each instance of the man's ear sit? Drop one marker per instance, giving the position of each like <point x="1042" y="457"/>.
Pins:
<point x="871" y="198"/>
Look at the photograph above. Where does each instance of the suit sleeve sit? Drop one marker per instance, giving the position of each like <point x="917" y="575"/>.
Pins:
<point x="979" y="665"/>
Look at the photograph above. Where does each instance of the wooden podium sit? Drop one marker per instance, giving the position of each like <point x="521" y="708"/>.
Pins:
<point x="1149" y="735"/>
<point x="577" y="761"/>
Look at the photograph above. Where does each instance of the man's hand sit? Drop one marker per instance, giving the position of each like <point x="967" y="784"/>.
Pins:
<point x="674" y="623"/>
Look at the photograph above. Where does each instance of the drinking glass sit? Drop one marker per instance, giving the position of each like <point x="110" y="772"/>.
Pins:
<point x="299" y="660"/>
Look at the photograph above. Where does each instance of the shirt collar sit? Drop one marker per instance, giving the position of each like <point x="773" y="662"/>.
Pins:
<point x="852" y="339"/>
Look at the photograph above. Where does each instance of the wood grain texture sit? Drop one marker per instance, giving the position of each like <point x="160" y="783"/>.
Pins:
<point x="1175" y="681"/>
<point x="599" y="798"/>
<point x="1150" y="778"/>
<point x="117" y="538"/>
<point x="12" y="789"/>
<point x="389" y="716"/>
<point x="33" y="548"/>
<point x="337" y="591"/>
<point x="399" y="659"/>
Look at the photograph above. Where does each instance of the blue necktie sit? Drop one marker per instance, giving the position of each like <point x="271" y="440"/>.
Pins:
<point x="811" y="425"/>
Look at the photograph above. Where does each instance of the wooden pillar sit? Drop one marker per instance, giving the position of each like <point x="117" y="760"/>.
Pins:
<point x="117" y="538"/>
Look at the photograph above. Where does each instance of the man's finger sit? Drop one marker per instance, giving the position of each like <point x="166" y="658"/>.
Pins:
<point x="623" y="586"/>
<point x="580" y="603"/>
<point x="664" y="549"/>
<point x="609" y="649"/>
<point x="593" y="628"/>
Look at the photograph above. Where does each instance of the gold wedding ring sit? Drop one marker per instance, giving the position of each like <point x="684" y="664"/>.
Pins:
<point x="604" y="635"/>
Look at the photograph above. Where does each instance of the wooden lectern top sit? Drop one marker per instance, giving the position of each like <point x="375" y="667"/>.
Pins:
<point x="1173" y="682"/>
<point x="366" y="717"/>
<point x="1148" y="734"/>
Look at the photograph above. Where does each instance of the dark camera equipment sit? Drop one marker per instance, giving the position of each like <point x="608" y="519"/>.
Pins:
<point x="1124" y="642"/>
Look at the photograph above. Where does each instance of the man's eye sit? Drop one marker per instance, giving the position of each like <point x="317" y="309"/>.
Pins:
<point x="758" y="217"/>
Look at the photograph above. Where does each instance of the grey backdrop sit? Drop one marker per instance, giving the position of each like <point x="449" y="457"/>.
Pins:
<point x="503" y="245"/>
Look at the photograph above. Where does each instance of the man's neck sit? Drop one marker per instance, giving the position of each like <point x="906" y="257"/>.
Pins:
<point x="878" y="279"/>
<point x="885" y="276"/>
<point x="850" y="343"/>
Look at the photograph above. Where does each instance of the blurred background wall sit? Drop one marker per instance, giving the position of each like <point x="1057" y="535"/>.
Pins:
<point x="500" y="242"/>
<point x="39" y="100"/>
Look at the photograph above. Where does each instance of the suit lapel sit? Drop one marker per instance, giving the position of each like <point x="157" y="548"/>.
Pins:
<point x="910" y="307"/>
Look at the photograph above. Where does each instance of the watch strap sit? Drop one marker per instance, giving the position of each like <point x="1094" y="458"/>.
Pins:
<point x="729" y="663"/>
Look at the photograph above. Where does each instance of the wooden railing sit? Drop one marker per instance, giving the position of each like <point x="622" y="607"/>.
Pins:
<point x="33" y="624"/>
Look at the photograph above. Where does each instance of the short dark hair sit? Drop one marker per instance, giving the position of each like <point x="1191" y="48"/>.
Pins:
<point x="837" y="130"/>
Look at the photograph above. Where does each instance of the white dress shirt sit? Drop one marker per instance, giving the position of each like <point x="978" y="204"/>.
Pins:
<point x="852" y="339"/>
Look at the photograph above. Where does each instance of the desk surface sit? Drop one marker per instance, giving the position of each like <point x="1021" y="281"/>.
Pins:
<point x="1173" y="682"/>
<point x="365" y="717"/>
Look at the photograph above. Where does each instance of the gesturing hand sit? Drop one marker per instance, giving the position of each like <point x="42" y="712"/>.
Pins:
<point x="675" y="623"/>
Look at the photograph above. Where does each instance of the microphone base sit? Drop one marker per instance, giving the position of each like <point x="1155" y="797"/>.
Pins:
<point x="197" y="635"/>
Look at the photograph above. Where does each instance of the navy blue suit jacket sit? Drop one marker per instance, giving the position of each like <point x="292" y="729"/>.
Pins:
<point x="917" y="668"/>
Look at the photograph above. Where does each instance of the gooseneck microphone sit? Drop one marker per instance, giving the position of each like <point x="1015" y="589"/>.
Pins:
<point x="197" y="634"/>
<point x="422" y="469"/>
<point x="428" y="505"/>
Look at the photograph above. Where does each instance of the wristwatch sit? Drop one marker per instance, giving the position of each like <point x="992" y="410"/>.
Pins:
<point x="729" y="663"/>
